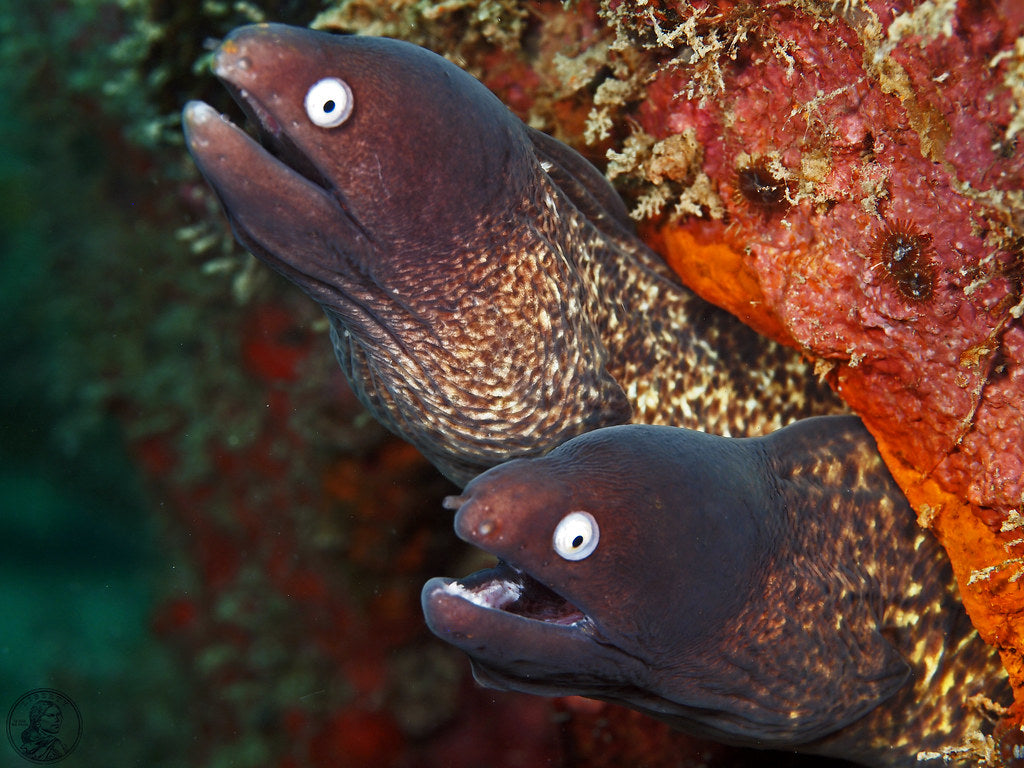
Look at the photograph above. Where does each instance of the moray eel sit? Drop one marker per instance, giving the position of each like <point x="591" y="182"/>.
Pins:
<point x="488" y="300"/>
<point x="486" y="294"/>
<point x="773" y="592"/>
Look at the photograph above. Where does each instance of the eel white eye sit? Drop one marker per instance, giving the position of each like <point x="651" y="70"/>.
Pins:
<point x="329" y="102"/>
<point x="576" y="536"/>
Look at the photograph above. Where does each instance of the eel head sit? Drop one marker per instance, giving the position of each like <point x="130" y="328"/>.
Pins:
<point x="404" y="197"/>
<point x="652" y="567"/>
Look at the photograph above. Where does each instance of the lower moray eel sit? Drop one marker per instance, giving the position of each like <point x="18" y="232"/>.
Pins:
<point x="773" y="592"/>
<point x="486" y="294"/>
<point x="488" y="300"/>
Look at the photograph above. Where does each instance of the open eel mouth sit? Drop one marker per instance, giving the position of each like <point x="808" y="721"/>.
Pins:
<point x="496" y="609"/>
<point x="521" y="635"/>
<point x="510" y="590"/>
<point x="267" y="130"/>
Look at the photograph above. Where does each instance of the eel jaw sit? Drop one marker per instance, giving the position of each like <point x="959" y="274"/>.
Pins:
<point x="229" y="157"/>
<point x="522" y="636"/>
<point x="284" y="217"/>
<point x="513" y="591"/>
<point x="272" y="136"/>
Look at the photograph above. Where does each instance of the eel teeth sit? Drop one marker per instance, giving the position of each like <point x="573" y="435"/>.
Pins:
<point x="511" y="590"/>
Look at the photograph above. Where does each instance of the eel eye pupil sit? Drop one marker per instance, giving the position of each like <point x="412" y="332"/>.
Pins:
<point x="329" y="102"/>
<point x="576" y="536"/>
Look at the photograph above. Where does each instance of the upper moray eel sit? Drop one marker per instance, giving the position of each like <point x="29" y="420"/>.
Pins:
<point x="773" y="592"/>
<point x="486" y="294"/>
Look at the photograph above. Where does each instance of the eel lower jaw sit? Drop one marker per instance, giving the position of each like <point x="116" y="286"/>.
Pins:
<point x="521" y="636"/>
<point x="273" y="138"/>
<point x="512" y="591"/>
<point x="482" y="612"/>
<point x="272" y="206"/>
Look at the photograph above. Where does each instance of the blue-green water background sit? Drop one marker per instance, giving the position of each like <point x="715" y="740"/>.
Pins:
<point x="88" y="147"/>
<point x="122" y="304"/>
<point x="79" y="564"/>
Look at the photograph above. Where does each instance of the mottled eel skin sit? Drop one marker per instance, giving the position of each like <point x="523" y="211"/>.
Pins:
<point x="488" y="300"/>
<point x="773" y="592"/>
<point x="487" y="296"/>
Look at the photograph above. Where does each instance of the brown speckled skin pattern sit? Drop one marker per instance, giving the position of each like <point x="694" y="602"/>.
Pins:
<point x="489" y="305"/>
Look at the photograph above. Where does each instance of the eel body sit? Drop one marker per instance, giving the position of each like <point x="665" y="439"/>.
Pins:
<point x="773" y="592"/>
<point x="488" y="300"/>
<point x="486" y="294"/>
